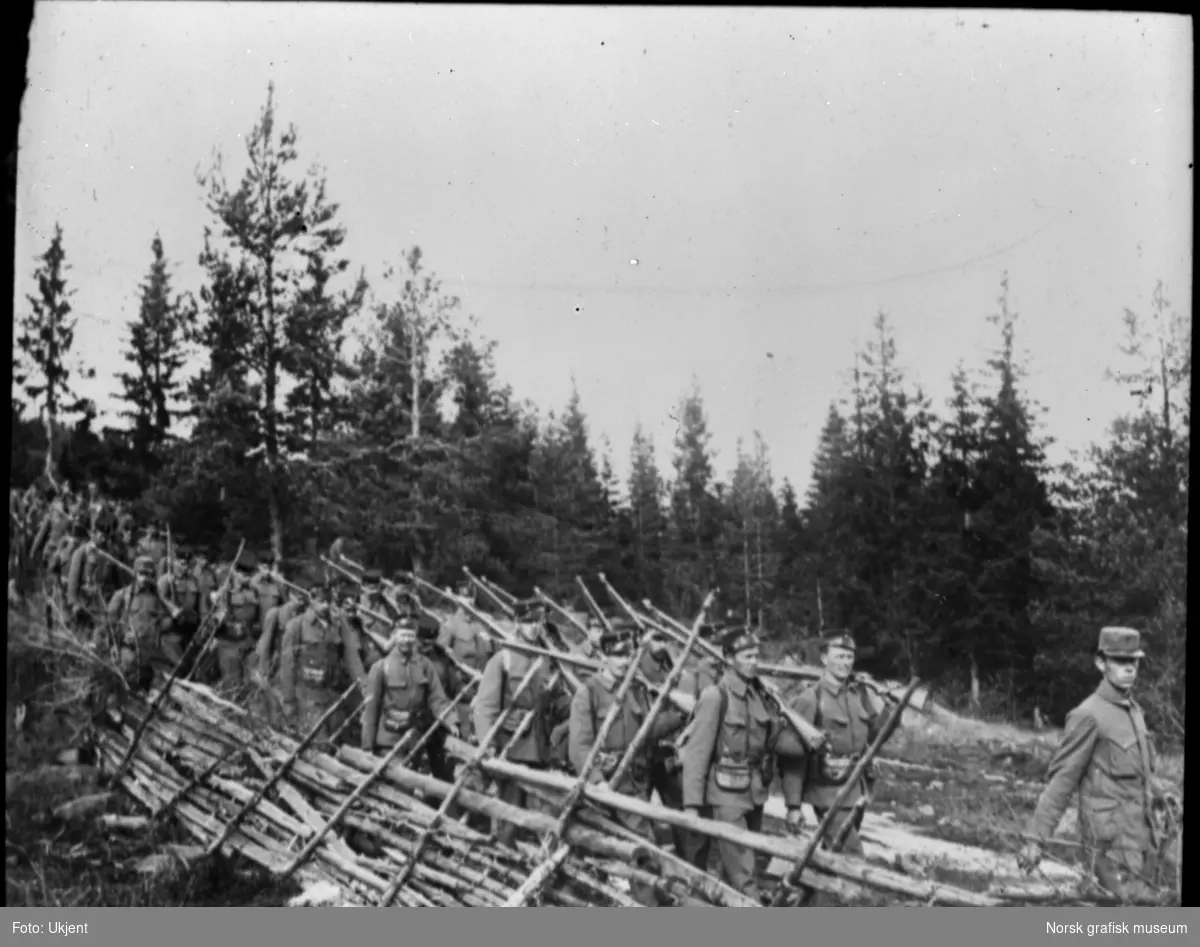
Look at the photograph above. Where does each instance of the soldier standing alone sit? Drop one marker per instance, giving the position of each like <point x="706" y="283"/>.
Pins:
<point x="1107" y="759"/>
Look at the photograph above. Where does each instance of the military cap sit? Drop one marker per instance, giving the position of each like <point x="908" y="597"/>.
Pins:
<point x="529" y="610"/>
<point x="1120" y="643"/>
<point x="247" y="562"/>
<point x="321" y="591"/>
<point x="185" y="553"/>
<point x="618" y="642"/>
<point x="403" y="633"/>
<point x="372" y="577"/>
<point x="839" y="639"/>
<point x="266" y="558"/>
<point x="143" y="564"/>
<point x="738" y="639"/>
<point x="624" y="624"/>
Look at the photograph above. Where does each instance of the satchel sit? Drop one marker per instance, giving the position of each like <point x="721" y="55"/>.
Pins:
<point x="732" y="777"/>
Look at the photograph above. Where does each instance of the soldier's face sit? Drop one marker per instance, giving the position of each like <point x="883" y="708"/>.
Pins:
<point x="528" y="630"/>
<point x="145" y="579"/>
<point x="1119" y="672"/>
<point x="839" y="662"/>
<point x="746" y="662"/>
<point x="618" y="664"/>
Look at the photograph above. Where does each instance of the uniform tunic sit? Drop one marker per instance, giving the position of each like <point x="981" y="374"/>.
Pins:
<point x="1105" y="758"/>
<point x="851" y="722"/>
<point x="140" y="618"/>
<point x="317" y="661"/>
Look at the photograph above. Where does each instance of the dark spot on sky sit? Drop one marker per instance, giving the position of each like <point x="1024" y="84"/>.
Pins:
<point x="985" y="26"/>
<point x="577" y="309"/>
<point x="643" y="52"/>
<point x="601" y="42"/>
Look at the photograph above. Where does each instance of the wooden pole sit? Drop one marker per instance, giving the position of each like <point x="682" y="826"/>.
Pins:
<point x="483" y="587"/>
<point x="281" y="770"/>
<point x="591" y="603"/>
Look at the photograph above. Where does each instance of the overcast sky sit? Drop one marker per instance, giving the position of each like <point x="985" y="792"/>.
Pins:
<point x="779" y="176"/>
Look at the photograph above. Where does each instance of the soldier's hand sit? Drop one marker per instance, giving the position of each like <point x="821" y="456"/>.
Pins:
<point x="795" y="818"/>
<point x="1030" y="856"/>
<point x="692" y="810"/>
<point x="453" y="728"/>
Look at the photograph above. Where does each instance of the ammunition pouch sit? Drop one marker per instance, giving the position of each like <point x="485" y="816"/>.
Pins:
<point x="315" y="676"/>
<point x="398" y="722"/>
<point x="733" y="776"/>
<point x="833" y="770"/>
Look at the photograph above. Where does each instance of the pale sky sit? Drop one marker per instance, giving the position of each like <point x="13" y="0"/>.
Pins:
<point x="778" y="175"/>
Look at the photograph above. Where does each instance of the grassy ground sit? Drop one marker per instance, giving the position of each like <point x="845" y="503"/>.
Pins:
<point x="55" y="859"/>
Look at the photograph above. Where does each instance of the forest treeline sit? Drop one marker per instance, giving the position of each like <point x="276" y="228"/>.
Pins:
<point x="938" y="534"/>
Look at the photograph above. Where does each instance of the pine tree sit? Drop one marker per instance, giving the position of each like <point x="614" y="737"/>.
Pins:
<point x="648" y="521"/>
<point x="696" y="526"/>
<point x="45" y="337"/>
<point x="157" y="353"/>
<point x="278" y="243"/>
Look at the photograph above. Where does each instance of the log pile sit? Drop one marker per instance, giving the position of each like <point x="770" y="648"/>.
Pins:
<point x="201" y="760"/>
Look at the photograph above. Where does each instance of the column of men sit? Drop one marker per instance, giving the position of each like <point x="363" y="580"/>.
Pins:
<point x="297" y="648"/>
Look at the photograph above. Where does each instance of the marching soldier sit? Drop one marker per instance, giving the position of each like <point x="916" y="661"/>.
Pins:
<point x="501" y="677"/>
<point x="266" y="586"/>
<point x="371" y="597"/>
<point x="589" y="707"/>
<point x="237" y="627"/>
<point x="266" y="660"/>
<point x="140" y="617"/>
<point x="89" y="582"/>
<point x="181" y="589"/>
<point x="729" y="756"/>
<point x="1107" y="758"/>
<point x="318" y="659"/>
<point x="151" y="544"/>
<point x="450" y="677"/>
<point x="462" y="637"/>
<point x="843" y="709"/>
<point x="404" y="693"/>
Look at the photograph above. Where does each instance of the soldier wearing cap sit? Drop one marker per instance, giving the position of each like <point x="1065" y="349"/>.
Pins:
<point x="237" y="626"/>
<point x="462" y="637"/>
<point x="318" y="658"/>
<point x="266" y="586"/>
<point x="266" y="657"/>
<point x="180" y="587"/>
<point x="1106" y="757"/>
<point x="844" y="710"/>
<point x="543" y="702"/>
<point x="729" y="753"/>
<point x="140" y="617"/>
<point x="151" y="544"/>
<point x="591" y="705"/>
<point x="405" y="695"/>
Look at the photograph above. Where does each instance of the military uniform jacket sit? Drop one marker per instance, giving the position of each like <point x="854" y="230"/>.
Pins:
<point x="315" y="658"/>
<point x="139" y="617"/>
<point x="1106" y="757"/>
<point x="89" y="576"/>
<point x="402" y="694"/>
<point x="270" y="595"/>
<point x="589" y="707"/>
<point x="240" y="625"/>
<point x="272" y="632"/>
<point x="501" y="677"/>
<point x="720" y="748"/>
<point x="463" y="639"/>
<point x="851" y="722"/>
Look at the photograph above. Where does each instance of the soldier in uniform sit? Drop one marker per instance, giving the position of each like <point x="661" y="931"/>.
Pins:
<point x="589" y="707"/>
<point x="266" y="661"/>
<point x="151" y="544"/>
<point x="450" y="678"/>
<point x="1106" y="757"/>
<point x="182" y="590"/>
<point x="373" y="629"/>
<point x="89" y="582"/>
<point x="405" y="693"/>
<point x="266" y="585"/>
<point x="845" y="711"/>
<point x="318" y="658"/>
<point x="729" y="756"/>
<point x="140" y="617"/>
<point x="237" y="627"/>
<point x="501" y="677"/>
<point x="461" y="636"/>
